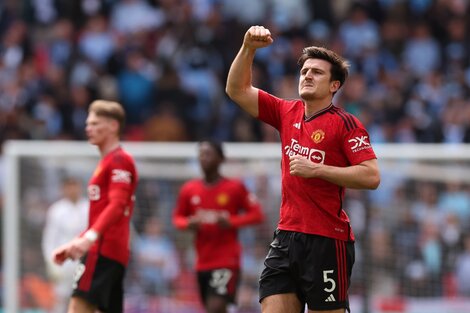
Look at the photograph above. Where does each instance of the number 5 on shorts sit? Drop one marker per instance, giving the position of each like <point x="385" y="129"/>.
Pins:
<point x="328" y="280"/>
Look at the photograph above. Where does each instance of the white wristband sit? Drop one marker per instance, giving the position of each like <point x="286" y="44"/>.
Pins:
<point x="91" y="235"/>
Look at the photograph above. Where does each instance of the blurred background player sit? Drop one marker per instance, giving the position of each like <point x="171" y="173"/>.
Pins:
<point x="104" y="247"/>
<point x="66" y="219"/>
<point x="214" y="207"/>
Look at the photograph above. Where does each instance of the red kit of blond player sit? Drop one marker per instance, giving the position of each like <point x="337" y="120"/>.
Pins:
<point x="103" y="248"/>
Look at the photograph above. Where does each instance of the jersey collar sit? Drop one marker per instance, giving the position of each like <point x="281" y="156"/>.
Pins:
<point x="316" y="114"/>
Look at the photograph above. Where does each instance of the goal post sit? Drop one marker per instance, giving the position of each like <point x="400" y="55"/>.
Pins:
<point x="32" y="170"/>
<point x="16" y="150"/>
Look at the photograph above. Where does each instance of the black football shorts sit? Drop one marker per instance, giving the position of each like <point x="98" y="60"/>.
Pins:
<point x="222" y="282"/>
<point x="316" y="268"/>
<point x="99" y="280"/>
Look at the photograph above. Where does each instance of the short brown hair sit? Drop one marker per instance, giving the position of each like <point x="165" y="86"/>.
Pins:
<point x="339" y="66"/>
<point x="110" y="109"/>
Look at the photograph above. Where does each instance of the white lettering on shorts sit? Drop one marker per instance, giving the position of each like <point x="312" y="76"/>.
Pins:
<point x="220" y="279"/>
<point x="78" y="274"/>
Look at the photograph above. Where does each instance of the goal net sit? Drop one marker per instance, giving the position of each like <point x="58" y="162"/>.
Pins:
<point x="413" y="233"/>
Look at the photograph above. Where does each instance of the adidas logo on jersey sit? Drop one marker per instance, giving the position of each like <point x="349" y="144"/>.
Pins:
<point x="296" y="125"/>
<point x="331" y="298"/>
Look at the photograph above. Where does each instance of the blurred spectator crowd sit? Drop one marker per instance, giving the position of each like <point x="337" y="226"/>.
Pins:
<point x="167" y="60"/>
<point x="416" y="243"/>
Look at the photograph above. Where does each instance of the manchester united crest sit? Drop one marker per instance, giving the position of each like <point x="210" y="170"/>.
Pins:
<point x="318" y="135"/>
<point x="222" y="199"/>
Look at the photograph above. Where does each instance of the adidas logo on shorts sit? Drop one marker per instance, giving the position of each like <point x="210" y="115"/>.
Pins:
<point x="331" y="298"/>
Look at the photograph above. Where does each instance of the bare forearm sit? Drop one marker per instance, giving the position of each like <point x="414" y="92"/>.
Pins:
<point x="239" y="75"/>
<point x="354" y="177"/>
<point x="239" y="81"/>
<point x="362" y="176"/>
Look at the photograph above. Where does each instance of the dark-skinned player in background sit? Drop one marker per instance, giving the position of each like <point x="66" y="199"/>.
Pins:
<point x="215" y="207"/>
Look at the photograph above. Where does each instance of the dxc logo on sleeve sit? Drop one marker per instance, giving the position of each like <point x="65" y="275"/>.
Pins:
<point x="359" y="143"/>
<point x="121" y="176"/>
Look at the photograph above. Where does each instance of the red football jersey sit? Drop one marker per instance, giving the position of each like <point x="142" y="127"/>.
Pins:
<point x="332" y="137"/>
<point x="115" y="176"/>
<point x="217" y="247"/>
